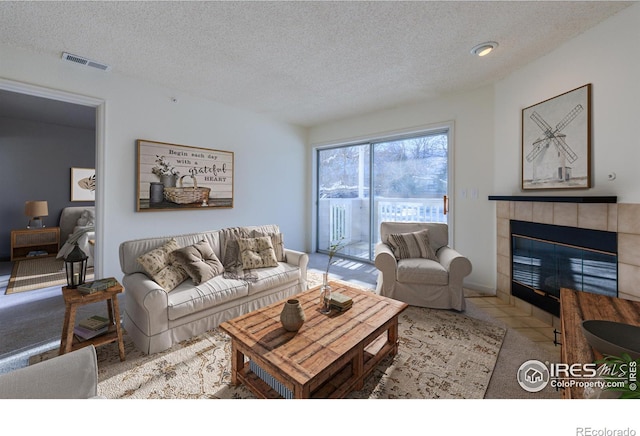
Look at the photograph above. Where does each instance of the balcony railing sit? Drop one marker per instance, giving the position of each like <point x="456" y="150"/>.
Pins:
<point x="347" y="218"/>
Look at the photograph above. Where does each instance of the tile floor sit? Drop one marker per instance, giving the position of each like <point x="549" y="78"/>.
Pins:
<point x="526" y="324"/>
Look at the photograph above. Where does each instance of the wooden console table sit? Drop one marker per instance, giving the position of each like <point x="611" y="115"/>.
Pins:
<point x="577" y="306"/>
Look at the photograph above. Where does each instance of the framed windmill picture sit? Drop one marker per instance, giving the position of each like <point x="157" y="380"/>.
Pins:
<point x="556" y="142"/>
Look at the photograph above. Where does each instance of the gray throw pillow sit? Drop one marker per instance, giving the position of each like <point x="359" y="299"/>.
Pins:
<point x="199" y="261"/>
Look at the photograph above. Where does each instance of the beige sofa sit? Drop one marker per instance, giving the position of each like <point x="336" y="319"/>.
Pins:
<point x="156" y="319"/>
<point x="419" y="281"/>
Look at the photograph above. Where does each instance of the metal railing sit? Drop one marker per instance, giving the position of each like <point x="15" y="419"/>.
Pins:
<point x="344" y="217"/>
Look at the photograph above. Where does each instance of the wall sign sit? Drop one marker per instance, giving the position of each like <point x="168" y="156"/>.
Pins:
<point x="176" y="177"/>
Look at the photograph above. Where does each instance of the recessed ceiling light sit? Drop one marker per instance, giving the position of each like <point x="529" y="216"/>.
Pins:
<point x="484" y="49"/>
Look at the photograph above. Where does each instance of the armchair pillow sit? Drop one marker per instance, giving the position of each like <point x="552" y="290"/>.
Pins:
<point x="199" y="261"/>
<point x="257" y="252"/>
<point x="411" y="245"/>
<point x="159" y="266"/>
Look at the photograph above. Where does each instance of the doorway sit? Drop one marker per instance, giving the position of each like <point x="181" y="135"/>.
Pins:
<point x="22" y="105"/>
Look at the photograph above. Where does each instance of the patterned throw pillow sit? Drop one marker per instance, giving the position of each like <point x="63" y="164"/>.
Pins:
<point x="160" y="268"/>
<point x="231" y="253"/>
<point x="199" y="261"/>
<point x="277" y="240"/>
<point x="411" y="245"/>
<point x="257" y="252"/>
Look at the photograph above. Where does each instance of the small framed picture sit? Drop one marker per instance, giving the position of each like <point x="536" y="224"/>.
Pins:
<point x="556" y="142"/>
<point x="83" y="184"/>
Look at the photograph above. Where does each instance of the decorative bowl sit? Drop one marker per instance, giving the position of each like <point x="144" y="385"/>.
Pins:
<point x="613" y="338"/>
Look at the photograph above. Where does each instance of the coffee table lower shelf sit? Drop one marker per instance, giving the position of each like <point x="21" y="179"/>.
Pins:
<point x="265" y="386"/>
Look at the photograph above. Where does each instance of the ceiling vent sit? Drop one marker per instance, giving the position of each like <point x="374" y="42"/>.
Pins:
<point x="84" y="61"/>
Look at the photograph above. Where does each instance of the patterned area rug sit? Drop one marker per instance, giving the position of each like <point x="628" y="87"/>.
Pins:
<point x="442" y="354"/>
<point x="45" y="272"/>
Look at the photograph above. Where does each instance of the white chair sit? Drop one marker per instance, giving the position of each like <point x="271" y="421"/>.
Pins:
<point x="420" y="281"/>
<point x="70" y="376"/>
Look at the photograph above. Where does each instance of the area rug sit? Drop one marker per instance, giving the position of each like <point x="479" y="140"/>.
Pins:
<point x="44" y="272"/>
<point x="442" y="354"/>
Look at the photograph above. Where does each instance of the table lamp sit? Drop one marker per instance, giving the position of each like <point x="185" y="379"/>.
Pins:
<point x="35" y="210"/>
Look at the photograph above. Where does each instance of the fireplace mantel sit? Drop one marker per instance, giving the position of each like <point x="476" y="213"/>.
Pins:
<point x="558" y="199"/>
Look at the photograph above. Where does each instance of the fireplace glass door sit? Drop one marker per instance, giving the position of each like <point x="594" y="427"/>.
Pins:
<point x="547" y="267"/>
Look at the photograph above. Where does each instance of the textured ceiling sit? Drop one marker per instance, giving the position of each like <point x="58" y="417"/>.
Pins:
<point x="304" y="62"/>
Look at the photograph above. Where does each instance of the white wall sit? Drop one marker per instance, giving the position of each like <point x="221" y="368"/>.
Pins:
<point x="606" y="56"/>
<point x="269" y="156"/>
<point x="472" y="117"/>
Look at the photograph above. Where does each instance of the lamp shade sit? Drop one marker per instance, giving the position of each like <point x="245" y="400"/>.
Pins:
<point x="36" y="208"/>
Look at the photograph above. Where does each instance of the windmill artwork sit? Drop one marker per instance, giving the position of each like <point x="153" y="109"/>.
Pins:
<point x="556" y="142"/>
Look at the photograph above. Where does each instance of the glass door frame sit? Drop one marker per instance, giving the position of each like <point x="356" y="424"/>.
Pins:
<point x="442" y="128"/>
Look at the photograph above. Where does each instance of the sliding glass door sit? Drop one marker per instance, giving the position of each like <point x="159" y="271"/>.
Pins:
<point x="360" y="186"/>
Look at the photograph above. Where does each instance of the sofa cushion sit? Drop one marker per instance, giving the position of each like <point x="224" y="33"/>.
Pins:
<point x="269" y="278"/>
<point x="411" y="245"/>
<point x="257" y="252"/>
<point x="199" y="261"/>
<point x="419" y="270"/>
<point x="187" y="298"/>
<point x="159" y="266"/>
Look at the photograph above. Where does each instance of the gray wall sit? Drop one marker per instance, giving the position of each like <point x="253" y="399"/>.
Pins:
<point x="35" y="164"/>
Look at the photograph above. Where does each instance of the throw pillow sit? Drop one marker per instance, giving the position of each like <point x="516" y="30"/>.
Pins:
<point x="257" y="252"/>
<point x="87" y="218"/>
<point x="158" y="266"/>
<point x="231" y="254"/>
<point x="277" y="240"/>
<point x="199" y="261"/>
<point x="411" y="245"/>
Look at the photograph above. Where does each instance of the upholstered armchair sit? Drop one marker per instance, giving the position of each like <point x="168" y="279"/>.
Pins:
<point x="70" y="376"/>
<point x="418" y="267"/>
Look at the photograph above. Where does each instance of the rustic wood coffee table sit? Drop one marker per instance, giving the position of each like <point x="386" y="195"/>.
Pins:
<point x="330" y="356"/>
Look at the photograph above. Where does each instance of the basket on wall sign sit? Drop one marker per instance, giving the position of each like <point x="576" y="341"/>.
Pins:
<point x="187" y="195"/>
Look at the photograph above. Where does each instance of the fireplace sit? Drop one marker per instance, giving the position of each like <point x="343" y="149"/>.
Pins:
<point x="545" y="258"/>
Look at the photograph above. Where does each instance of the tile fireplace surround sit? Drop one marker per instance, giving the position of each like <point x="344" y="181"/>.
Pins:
<point x="622" y="218"/>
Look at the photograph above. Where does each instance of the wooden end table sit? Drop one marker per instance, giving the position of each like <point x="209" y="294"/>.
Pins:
<point x="74" y="299"/>
<point x="330" y="356"/>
